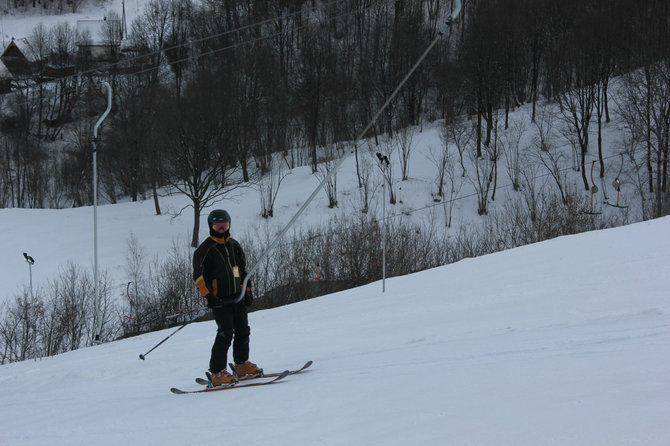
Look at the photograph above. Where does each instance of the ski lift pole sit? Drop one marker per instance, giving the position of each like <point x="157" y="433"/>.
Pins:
<point x="384" y="241"/>
<point x="97" y="324"/>
<point x="385" y="165"/>
<point x="31" y="262"/>
<point x="447" y="23"/>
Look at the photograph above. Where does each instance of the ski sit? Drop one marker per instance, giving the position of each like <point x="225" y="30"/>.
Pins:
<point x="232" y="386"/>
<point x="206" y="382"/>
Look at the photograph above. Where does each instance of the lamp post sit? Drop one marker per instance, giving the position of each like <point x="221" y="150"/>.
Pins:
<point x="385" y="163"/>
<point x="30" y="262"/>
<point x="97" y="325"/>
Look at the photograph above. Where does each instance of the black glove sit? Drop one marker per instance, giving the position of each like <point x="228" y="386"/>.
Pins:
<point x="213" y="301"/>
<point x="248" y="296"/>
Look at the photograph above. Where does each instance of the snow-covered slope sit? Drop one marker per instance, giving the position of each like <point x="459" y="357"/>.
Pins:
<point x="56" y="237"/>
<point x="562" y="342"/>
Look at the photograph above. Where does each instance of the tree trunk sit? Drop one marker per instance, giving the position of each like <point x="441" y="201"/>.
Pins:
<point x="600" y="143"/>
<point x="479" y="131"/>
<point x="586" y="181"/>
<point x="157" y="205"/>
<point x="196" y="224"/>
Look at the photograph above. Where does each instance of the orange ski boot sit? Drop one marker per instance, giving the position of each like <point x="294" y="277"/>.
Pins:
<point x="223" y="378"/>
<point x="248" y="370"/>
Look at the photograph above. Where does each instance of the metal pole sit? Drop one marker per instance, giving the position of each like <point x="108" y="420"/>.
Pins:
<point x="384" y="239"/>
<point x="452" y="16"/>
<point x="96" y="315"/>
<point x="30" y="262"/>
<point x="386" y="173"/>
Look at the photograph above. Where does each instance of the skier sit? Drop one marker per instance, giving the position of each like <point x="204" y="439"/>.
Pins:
<point x="219" y="268"/>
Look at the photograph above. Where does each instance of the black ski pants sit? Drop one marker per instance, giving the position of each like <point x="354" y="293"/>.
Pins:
<point x="233" y="327"/>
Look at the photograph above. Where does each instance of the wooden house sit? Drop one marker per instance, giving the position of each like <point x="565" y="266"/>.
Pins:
<point x="19" y="59"/>
<point x="56" y="72"/>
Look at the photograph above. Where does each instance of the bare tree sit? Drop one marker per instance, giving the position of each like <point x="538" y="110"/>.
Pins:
<point x="552" y="160"/>
<point x="49" y="332"/>
<point x="577" y="106"/>
<point x="25" y="165"/>
<point x="40" y="46"/>
<point x="494" y="150"/>
<point x="461" y="134"/>
<point x="645" y="108"/>
<point x="455" y="183"/>
<point x="315" y="72"/>
<point x="634" y="149"/>
<point x="181" y="17"/>
<point x="73" y="292"/>
<point x="366" y="189"/>
<point x="481" y="176"/>
<point x="64" y="97"/>
<point x="137" y="287"/>
<point x="75" y="4"/>
<point x="324" y="169"/>
<point x="19" y="328"/>
<point x="149" y="33"/>
<point x="531" y="189"/>
<point x="386" y="167"/>
<point x="76" y="165"/>
<point x="440" y="159"/>
<point x="201" y="160"/>
<point x="402" y="142"/>
<point x="544" y="126"/>
<point x="268" y="188"/>
<point x="512" y="152"/>
<point x="579" y="92"/>
<point x="111" y="32"/>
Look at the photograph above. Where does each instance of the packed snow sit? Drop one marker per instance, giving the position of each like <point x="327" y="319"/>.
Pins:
<point x="561" y="342"/>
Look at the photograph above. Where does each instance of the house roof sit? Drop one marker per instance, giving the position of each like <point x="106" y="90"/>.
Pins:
<point x="19" y="58"/>
<point x="20" y="48"/>
<point x="4" y="72"/>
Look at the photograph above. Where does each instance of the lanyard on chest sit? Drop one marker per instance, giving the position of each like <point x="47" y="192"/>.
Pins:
<point x="226" y="260"/>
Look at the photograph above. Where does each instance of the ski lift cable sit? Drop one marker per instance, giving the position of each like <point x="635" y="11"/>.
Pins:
<point x="447" y="23"/>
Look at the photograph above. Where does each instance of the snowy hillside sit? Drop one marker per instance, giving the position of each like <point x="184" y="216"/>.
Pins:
<point x="562" y="342"/>
<point x="70" y="231"/>
<point x="56" y="237"/>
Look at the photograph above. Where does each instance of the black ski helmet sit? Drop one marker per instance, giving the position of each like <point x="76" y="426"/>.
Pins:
<point x="217" y="215"/>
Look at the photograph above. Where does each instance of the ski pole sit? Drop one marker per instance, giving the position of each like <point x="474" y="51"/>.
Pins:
<point x="142" y="357"/>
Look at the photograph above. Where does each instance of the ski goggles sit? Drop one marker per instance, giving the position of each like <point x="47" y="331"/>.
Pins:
<point x="221" y="226"/>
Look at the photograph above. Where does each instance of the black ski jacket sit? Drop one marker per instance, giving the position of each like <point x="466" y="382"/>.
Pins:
<point x="219" y="267"/>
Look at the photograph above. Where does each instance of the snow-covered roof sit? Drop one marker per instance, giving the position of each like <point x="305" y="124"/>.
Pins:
<point x="99" y="32"/>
